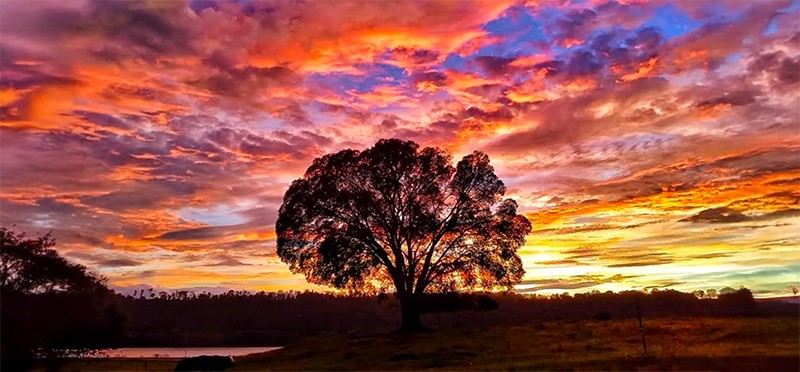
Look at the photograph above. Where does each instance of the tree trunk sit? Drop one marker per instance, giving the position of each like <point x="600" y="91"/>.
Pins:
<point x="409" y="309"/>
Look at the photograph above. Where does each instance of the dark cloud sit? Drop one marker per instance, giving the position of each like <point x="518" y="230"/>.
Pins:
<point x="748" y="165"/>
<point x="26" y="77"/>
<point x="117" y="262"/>
<point x="102" y="119"/>
<point x="503" y="114"/>
<point x="142" y="195"/>
<point x="73" y="226"/>
<point x="580" y="24"/>
<point x="139" y="29"/>
<point x="593" y="227"/>
<point x="411" y="57"/>
<point x="572" y="25"/>
<point x="560" y="262"/>
<point x="294" y="114"/>
<point x="566" y="121"/>
<point x="436" y="78"/>
<point x="103" y="261"/>
<point x="576" y="282"/>
<point x="582" y="63"/>
<point x="789" y="71"/>
<point x="653" y="262"/>
<point x="263" y="216"/>
<point x="664" y="284"/>
<point x="708" y="256"/>
<point x="553" y="67"/>
<point x="199" y="5"/>
<point x="247" y="82"/>
<point x="718" y="215"/>
<point x="562" y="286"/>
<point x="225" y="137"/>
<point x="281" y="143"/>
<point x="728" y="215"/>
<point x="738" y="98"/>
<point x="777" y="66"/>
<point x="213" y="259"/>
<point x="644" y="39"/>
<point x="207" y="233"/>
<point x="441" y="130"/>
<point x="620" y="48"/>
<point x="199" y="233"/>
<point x="494" y="66"/>
<point x="721" y="37"/>
<point x="619" y="257"/>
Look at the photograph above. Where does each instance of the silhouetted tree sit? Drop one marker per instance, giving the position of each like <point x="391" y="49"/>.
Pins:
<point x="50" y="305"/>
<point x="30" y="266"/>
<point x="737" y="301"/>
<point x="397" y="216"/>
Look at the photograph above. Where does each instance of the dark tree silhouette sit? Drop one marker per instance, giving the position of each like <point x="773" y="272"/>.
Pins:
<point x="50" y="307"/>
<point x="31" y="266"/>
<point x="397" y="216"/>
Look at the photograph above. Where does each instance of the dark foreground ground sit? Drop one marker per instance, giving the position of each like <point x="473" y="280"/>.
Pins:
<point x="726" y="344"/>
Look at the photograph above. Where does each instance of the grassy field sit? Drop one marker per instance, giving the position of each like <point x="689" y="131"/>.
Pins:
<point x="117" y="364"/>
<point x="694" y="344"/>
<point x="737" y="344"/>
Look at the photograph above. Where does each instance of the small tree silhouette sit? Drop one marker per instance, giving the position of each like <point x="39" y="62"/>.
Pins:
<point x="397" y="216"/>
<point x="50" y="307"/>
<point x="31" y="266"/>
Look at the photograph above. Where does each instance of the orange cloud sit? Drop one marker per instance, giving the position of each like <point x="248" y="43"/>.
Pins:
<point x="645" y="69"/>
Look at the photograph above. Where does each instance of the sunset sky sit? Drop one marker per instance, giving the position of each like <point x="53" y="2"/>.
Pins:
<point x="651" y="143"/>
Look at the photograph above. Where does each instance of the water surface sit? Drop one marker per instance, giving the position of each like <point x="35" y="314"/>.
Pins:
<point x="179" y="352"/>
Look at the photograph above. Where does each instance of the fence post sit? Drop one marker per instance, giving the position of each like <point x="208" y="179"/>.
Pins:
<point x="641" y="328"/>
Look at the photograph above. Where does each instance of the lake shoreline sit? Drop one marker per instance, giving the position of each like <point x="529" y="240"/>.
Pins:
<point x="173" y="352"/>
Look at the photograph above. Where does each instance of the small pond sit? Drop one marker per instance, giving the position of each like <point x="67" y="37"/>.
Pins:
<point x="178" y="352"/>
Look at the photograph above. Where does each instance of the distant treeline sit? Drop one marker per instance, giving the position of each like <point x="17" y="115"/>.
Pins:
<point x="50" y="322"/>
<point x="250" y="319"/>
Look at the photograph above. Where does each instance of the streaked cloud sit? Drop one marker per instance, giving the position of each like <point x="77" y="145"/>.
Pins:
<point x="651" y="143"/>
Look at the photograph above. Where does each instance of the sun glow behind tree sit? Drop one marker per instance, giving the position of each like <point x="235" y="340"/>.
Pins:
<point x="401" y="217"/>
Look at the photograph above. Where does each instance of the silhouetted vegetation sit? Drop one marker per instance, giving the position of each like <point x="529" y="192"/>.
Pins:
<point x="205" y="363"/>
<point x="394" y="216"/>
<point x="50" y="307"/>
<point x="53" y="308"/>
<point x="258" y="319"/>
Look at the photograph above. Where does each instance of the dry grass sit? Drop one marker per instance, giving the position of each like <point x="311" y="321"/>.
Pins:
<point x="119" y="364"/>
<point x="765" y="344"/>
<point x="737" y="344"/>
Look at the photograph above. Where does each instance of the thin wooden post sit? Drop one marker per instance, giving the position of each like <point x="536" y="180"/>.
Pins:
<point x="641" y="328"/>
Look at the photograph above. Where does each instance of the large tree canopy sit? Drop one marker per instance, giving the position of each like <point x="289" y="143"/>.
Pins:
<point x="397" y="216"/>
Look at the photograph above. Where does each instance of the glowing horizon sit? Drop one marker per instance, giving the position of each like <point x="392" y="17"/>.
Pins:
<point x="652" y="143"/>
